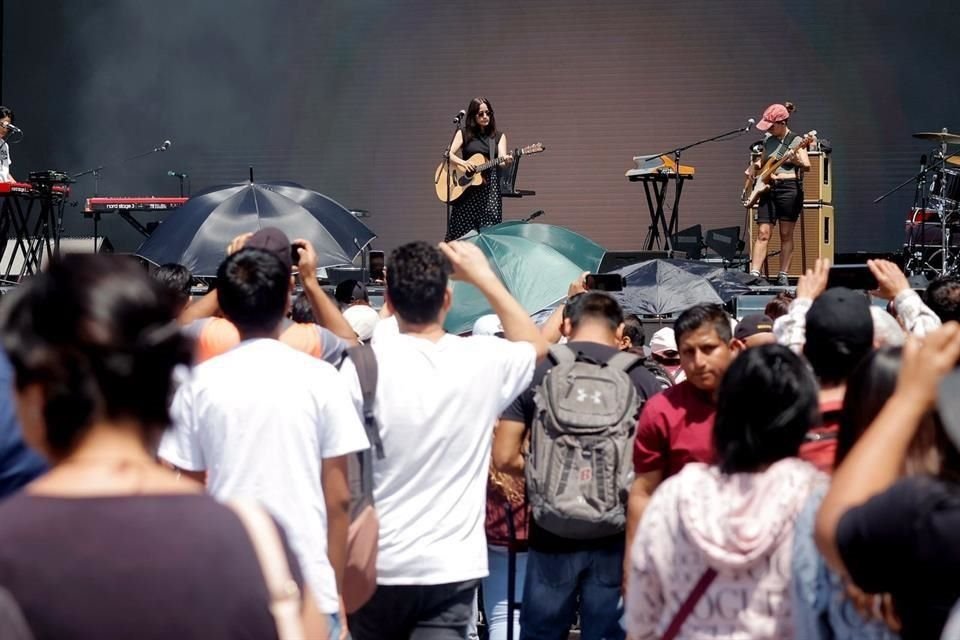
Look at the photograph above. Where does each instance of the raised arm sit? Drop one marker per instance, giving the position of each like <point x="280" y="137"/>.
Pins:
<point x="917" y="317"/>
<point x="324" y="309"/>
<point x="876" y="460"/>
<point x="471" y="266"/>
<point x="551" y="329"/>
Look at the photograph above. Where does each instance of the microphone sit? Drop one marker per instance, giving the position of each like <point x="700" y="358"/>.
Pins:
<point x="7" y="125"/>
<point x="750" y="123"/>
<point x="174" y="174"/>
<point x="166" y="145"/>
<point x="457" y="118"/>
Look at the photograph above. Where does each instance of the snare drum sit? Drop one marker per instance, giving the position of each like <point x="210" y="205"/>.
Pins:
<point x="946" y="188"/>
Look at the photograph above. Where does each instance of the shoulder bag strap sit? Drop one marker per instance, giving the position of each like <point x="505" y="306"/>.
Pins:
<point x="281" y="587"/>
<point x="365" y="362"/>
<point x="561" y="353"/>
<point x="688" y="605"/>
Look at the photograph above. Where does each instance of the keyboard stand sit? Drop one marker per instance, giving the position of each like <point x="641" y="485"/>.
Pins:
<point x="659" y="184"/>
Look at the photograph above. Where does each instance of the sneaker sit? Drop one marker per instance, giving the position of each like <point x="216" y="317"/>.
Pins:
<point x="783" y="280"/>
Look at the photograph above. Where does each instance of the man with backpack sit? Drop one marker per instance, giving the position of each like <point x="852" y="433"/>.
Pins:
<point x="580" y="413"/>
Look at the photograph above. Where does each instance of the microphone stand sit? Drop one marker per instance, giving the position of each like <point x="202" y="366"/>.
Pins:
<point x="446" y="159"/>
<point x="96" y="171"/>
<point x="675" y="215"/>
<point x="934" y="166"/>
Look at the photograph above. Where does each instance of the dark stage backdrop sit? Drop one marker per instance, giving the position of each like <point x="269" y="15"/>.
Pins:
<point x="354" y="98"/>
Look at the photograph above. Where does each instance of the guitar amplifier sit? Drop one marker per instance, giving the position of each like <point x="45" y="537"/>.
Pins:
<point x="818" y="182"/>
<point x="812" y="238"/>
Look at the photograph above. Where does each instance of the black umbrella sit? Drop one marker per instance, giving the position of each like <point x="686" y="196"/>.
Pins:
<point x="657" y="287"/>
<point x="728" y="283"/>
<point x="197" y="234"/>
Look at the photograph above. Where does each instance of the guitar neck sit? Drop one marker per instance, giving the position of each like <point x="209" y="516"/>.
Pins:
<point x="790" y="154"/>
<point x="779" y="162"/>
<point x="489" y="164"/>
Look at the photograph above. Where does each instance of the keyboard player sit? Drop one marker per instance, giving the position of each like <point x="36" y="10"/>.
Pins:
<point x="6" y="120"/>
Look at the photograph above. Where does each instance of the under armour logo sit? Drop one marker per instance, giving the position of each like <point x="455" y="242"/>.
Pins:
<point x="582" y="396"/>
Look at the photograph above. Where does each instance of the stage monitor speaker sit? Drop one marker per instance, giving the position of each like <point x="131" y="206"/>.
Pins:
<point x="725" y="242"/>
<point x="812" y="238"/>
<point x="67" y="245"/>
<point x="818" y="182"/>
<point x="613" y="260"/>
<point x="690" y="241"/>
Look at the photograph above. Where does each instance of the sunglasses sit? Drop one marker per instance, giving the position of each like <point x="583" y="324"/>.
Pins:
<point x="484" y="113"/>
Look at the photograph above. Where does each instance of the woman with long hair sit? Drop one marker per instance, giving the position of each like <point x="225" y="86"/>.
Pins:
<point x="109" y="543"/>
<point x="479" y="206"/>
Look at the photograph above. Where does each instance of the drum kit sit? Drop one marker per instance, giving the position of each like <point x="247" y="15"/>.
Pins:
<point x="933" y="224"/>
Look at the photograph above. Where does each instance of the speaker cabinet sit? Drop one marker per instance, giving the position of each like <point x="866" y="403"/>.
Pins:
<point x="812" y="238"/>
<point x="818" y="182"/>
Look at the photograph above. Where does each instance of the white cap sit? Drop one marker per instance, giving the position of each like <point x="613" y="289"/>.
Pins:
<point x="488" y="325"/>
<point x="663" y="340"/>
<point x="362" y="319"/>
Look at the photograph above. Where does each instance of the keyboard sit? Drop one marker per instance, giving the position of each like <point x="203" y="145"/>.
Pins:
<point x="117" y="204"/>
<point x="647" y="166"/>
<point x="15" y="187"/>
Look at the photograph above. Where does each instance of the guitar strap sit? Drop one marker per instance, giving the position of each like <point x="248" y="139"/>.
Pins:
<point x="492" y="147"/>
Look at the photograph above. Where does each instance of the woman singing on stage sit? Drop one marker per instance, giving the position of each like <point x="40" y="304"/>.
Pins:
<point x="480" y="205"/>
<point x="784" y="200"/>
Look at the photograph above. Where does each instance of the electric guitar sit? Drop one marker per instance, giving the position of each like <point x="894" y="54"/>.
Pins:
<point x="761" y="182"/>
<point x="460" y="179"/>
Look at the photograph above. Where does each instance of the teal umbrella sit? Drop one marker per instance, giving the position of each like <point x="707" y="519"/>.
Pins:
<point x="536" y="262"/>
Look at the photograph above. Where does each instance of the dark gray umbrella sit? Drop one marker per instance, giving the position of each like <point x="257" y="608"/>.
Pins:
<point x="728" y="283"/>
<point x="659" y="288"/>
<point x="197" y="234"/>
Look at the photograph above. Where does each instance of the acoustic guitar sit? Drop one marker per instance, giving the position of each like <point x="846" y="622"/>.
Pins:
<point x="460" y="179"/>
<point x="761" y="183"/>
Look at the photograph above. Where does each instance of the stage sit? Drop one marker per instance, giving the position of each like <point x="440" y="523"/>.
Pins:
<point x="354" y="100"/>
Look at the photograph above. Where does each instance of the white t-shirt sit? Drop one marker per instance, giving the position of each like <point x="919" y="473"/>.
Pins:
<point x="436" y="406"/>
<point x="259" y="419"/>
<point x="386" y="328"/>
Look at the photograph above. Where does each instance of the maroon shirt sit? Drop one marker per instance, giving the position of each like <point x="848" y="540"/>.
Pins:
<point x="820" y="446"/>
<point x="676" y="427"/>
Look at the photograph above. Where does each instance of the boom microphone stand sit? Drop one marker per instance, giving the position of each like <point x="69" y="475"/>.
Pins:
<point x="96" y="171"/>
<point x="674" y="226"/>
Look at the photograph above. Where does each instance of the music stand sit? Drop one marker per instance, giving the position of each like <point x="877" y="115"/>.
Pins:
<point x="508" y="181"/>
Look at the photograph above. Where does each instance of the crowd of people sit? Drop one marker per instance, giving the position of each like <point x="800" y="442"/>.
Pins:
<point x="177" y="467"/>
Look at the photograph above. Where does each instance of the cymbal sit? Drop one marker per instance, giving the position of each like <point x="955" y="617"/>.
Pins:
<point x="939" y="136"/>
<point x="955" y="160"/>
